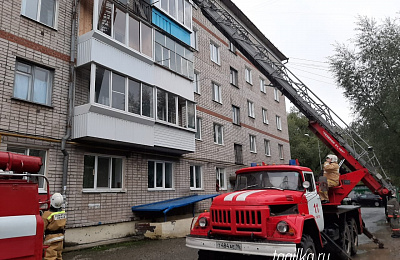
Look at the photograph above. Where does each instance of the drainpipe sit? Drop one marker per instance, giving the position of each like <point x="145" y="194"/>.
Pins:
<point x="71" y="89"/>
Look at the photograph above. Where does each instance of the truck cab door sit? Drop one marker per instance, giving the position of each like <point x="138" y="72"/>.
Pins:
<point x="314" y="201"/>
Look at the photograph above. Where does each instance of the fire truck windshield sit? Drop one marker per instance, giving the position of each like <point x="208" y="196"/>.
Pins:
<point x="269" y="180"/>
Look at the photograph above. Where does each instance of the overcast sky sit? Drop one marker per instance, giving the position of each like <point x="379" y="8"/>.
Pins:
<point x="306" y="32"/>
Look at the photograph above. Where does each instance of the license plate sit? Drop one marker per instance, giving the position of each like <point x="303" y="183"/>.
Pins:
<point x="230" y="246"/>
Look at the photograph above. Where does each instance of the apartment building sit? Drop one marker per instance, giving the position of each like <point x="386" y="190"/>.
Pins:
<point x="132" y="102"/>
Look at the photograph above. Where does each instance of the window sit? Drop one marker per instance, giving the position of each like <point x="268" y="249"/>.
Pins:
<point x="232" y="47"/>
<point x="234" y="77"/>
<point x="191" y="114"/>
<point x="250" y="106"/>
<point x="238" y="153"/>
<point x="280" y="148"/>
<point x="139" y="97"/>
<point x="173" y="55"/>
<point x="198" y="129"/>
<point x="263" y="88"/>
<point x="217" y="93"/>
<point x="102" y="173"/>
<point x="160" y="175"/>
<point x="33" y="152"/>
<point x="276" y="94"/>
<point x="267" y="147"/>
<point x="247" y="73"/>
<point x="265" y="116"/>
<point x="33" y="83"/>
<point x="253" y="148"/>
<point x="218" y="134"/>
<point x="196" y="81"/>
<point x="196" y="178"/>
<point x="308" y="176"/>
<point x="278" y="123"/>
<point x="181" y="10"/>
<point x="221" y="178"/>
<point x="122" y="27"/>
<point x="214" y="52"/>
<point x="236" y="115"/>
<point x="195" y="38"/>
<point x="43" y="11"/>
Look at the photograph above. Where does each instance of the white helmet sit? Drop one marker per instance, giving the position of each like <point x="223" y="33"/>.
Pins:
<point x="332" y="157"/>
<point x="56" y="200"/>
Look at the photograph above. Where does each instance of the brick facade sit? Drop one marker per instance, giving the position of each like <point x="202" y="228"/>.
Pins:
<point x="30" y="125"/>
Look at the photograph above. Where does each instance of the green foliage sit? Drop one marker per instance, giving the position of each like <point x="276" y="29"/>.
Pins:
<point x="304" y="145"/>
<point x="369" y="73"/>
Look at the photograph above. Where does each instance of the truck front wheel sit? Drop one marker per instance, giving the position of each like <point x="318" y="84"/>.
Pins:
<point x="307" y="247"/>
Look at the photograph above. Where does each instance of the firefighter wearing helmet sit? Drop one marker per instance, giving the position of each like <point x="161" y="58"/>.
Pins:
<point x="393" y="211"/>
<point x="331" y="172"/>
<point x="54" y="227"/>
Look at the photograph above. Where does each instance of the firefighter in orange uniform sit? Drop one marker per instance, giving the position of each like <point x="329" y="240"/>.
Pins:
<point x="331" y="172"/>
<point x="54" y="227"/>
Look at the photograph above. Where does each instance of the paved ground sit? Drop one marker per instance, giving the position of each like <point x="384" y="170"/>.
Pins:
<point x="176" y="249"/>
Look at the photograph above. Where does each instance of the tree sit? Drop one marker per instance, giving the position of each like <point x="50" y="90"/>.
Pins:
<point x="369" y="73"/>
<point x="304" y="145"/>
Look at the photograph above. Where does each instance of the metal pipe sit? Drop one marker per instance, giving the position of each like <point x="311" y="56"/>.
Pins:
<point x="70" y="100"/>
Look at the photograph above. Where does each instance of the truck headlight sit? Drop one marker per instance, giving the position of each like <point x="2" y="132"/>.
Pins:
<point x="203" y="222"/>
<point x="282" y="227"/>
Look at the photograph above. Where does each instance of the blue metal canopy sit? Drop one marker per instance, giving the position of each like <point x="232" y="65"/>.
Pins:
<point x="167" y="205"/>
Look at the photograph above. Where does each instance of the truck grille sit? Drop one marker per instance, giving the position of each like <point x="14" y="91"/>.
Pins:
<point x="238" y="220"/>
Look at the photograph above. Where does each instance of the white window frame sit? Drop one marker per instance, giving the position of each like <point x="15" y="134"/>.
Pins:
<point x="217" y="129"/>
<point x="103" y="189"/>
<point x="199" y="124"/>
<point x="221" y="172"/>
<point x="214" y="53"/>
<point x="250" y="107"/>
<point x="265" y="115"/>
<point x="248" y="75"/>
<point x="196" y="168"/>
<point x="31" y="83"/>
<point x="186" y="11"/>
<point x="196" y="81"/>
<point x="253" y="143"/>
<point x="278" y="123"/>
<point x="280" y="149"/>
<point x="217" y="95"/>
<point x="232" y="47"/>
<point x="37" y="18"/>
<point x="233" y="77"/>
<point x="195" y="38"/>
<point x="163" y="180"/>
<point x="267" y="147"/>
<point x="235" y="115"/>
<point x="263" y="87"/>
<point x="276" y="94"/>
<point x="27" y="151"/>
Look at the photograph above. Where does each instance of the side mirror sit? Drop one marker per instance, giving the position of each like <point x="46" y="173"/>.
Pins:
<point x="306" y="184"/>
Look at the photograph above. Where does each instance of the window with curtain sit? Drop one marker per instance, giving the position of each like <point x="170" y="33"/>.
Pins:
<point x="33" y="83"/>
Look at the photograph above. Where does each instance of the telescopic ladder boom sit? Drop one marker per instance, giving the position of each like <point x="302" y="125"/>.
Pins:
<point x="327" y="125"/>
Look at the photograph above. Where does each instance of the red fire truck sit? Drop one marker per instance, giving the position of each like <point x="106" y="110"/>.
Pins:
<point x="275" y="210"/>
<point x="21" y="226"/>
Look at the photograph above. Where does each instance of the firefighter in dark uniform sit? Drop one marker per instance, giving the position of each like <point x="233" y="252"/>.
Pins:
<point x="393" y="209"/>
<point x="54" y="228"/>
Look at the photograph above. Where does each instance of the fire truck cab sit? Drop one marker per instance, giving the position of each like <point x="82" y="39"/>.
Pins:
<point x="274" y="210"/>
<point x="21" y="225"/>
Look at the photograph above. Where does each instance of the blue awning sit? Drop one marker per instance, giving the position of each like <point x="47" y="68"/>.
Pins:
<point x="167" y="205"/>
